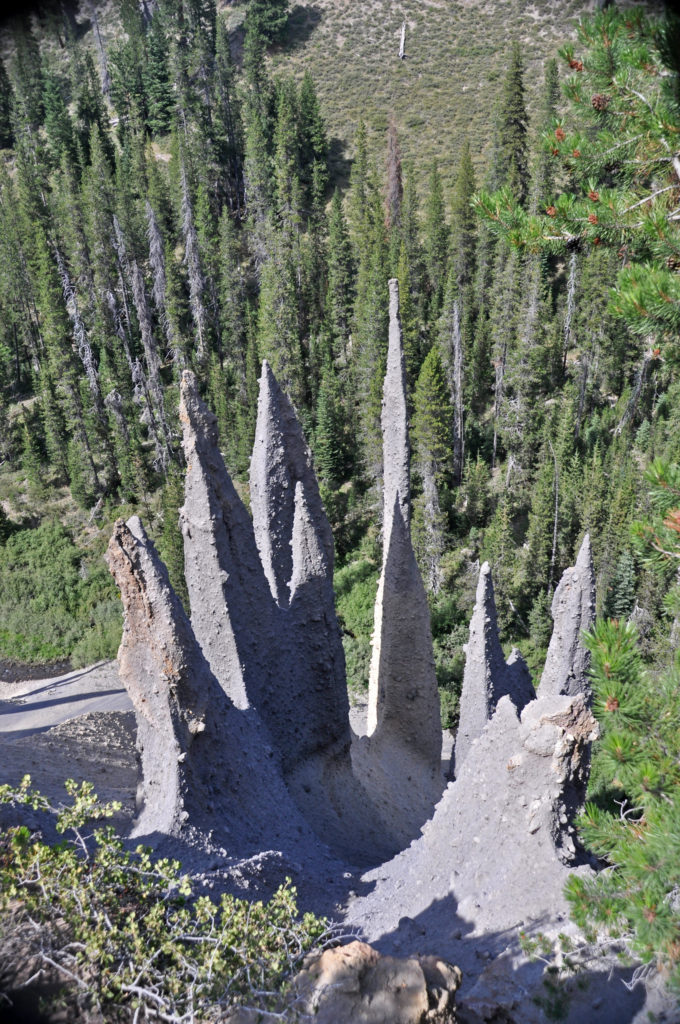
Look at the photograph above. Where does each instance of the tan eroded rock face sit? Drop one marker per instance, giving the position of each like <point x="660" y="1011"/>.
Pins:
<point x="354" y="984"/>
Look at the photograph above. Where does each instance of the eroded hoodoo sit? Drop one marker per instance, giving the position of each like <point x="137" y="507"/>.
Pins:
<point x="243" y="712"/>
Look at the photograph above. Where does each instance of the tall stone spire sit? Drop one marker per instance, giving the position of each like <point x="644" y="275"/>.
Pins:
<point x="487" y="677"/>
<point x="281" y="458"/>
<point x="231" y="606"/>
<point x="166" y="676"/>
<point x="307" y="700"/>
<point x="394" y="421"/>
<point x="403" y="700"/>
<point x="205" y="764"/>
<point x="573" y="610"/>
<point x="406" y="711"/>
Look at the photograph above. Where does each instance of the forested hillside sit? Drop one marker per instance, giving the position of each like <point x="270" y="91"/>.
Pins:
<point x="171" y="196"/>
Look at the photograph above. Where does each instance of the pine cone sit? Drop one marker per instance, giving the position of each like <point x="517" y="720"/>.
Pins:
<point x="600" y="101"/>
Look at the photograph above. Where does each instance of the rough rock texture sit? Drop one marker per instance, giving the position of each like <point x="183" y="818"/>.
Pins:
<point x="407" y="713"/>
<point x="394" y="421"/>
<point x="231" y="611"/>
<point x="573" y="610"/>
<point x="206" y="765"/>
<point x="403" y="700"/>
<point x="163" y="671"/>
<point x="261" y="590"/>
<point x="491" y="859"/>
<point x="354" y="984"/>
<point x="305" y="704"/>
<point x="487" y="677"/>
<point x="281" y="458"/>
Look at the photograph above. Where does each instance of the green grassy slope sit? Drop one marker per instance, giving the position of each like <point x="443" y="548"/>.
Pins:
<point x="446" y="87"/>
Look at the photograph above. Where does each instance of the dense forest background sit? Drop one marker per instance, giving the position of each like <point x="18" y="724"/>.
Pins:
<point x="171" y="196"/>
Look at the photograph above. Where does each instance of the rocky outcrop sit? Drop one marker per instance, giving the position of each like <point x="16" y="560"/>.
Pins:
<point x="207" y="767"/>
<point x="403" y="700"/>
<point x="494" y="852"/>
<point x="487" y="677"/>
<point x="354" y="984"/>
<point x="305" y="705"/>
<point x="394" y="422"/>
<point x="165" y="675"/>
<point x="406" y="712"/>
<point x="280" y="459"/>
<point x="231" y="612"/>
<point x="573" y="610"/>
<point x="261" y="590"/>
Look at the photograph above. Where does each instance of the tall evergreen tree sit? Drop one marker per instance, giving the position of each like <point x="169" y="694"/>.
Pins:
<point x="436" y="233"/>
<point x="510" y="151"/>
<point x="6" y="102"/>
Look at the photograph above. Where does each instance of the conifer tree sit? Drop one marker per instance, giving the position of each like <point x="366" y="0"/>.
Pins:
<point x="27" y="80"/>
<point x="394" y="193"/>
<point x="267" y="17"/>
<point x="58" y="124"/>
<point x="432" y="445"/>
<point x="369" y="334"/>
<point x="6" y="101"/>
<point x="156" y="77"/>
<point x="313" y="142"/>
<point x="463" y="239"/>
<point x="436" y="242"/>
<point x="278" y="336"/>
<point x="510" y="151"/>
<point x="227" y="121"/>
<point x="340" y="294"/>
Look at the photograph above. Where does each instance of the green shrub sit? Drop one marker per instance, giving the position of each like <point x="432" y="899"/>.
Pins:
<point x="56" y="600"/>
<point x="125" y="933"/>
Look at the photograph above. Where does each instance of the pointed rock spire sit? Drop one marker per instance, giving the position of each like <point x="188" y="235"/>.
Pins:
<point x="281" y="458"/>
<point x="205" y="764"/>
<point x="394" y="421"/>
<point x="573" y="610"/>
<point x="165" y="674"/>
<point x="403" y="698"/>
<point x="487" y="677"/>
<point x="306" y="705"/>
<point x="229" y="595"/>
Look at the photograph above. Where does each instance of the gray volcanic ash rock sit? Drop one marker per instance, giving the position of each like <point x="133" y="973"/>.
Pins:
<point x="206" y="765"/>
<point x="487" y="676"/>
<point x="243" y="721"/>
<point x="573" y="611"/>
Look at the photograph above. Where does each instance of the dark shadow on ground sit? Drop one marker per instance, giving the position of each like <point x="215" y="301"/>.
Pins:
<point x="339" y="163"/>
<point x="302" y="21"/>
<point x="587" y="997"/>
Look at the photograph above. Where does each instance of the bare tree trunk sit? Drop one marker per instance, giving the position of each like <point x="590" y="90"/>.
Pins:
<point x="635" y="397"/>
<point x="454" y="374"/>
<point x="403" y="40"/>
<point x="196" y="279"/>
<point x="571" y="291"/>
<point x="101" y="52"/>
<point x="82" y="345"/>
<point x="498" y="398"/>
